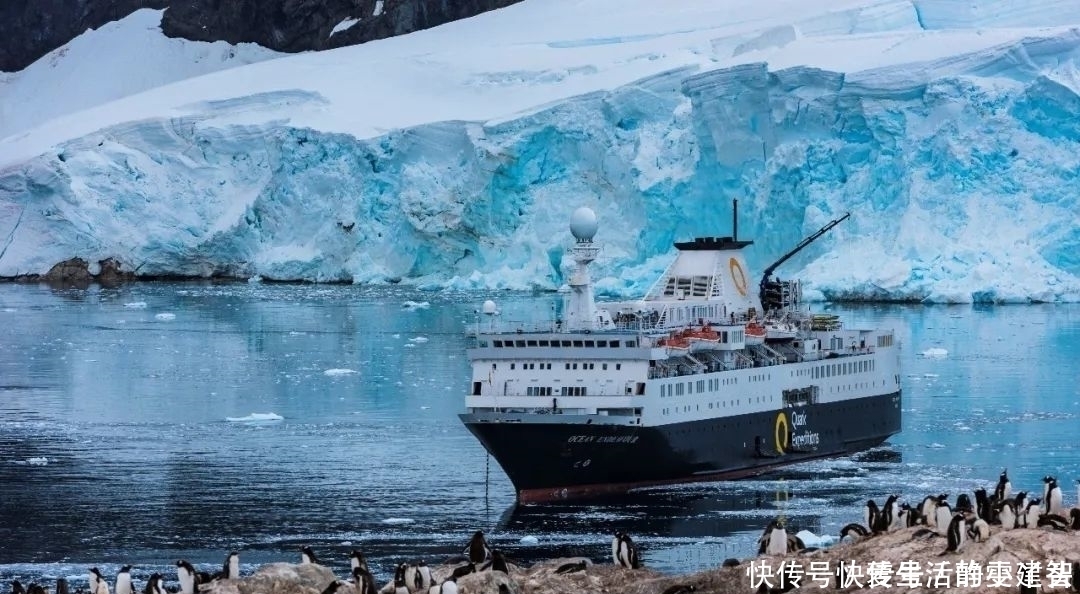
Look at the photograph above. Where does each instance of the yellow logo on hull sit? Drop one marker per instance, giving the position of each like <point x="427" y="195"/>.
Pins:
<point x="737" y="276"/>
<point x="781" y="433"/>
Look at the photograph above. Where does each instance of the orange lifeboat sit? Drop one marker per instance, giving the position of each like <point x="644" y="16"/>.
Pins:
<point x="755" y="333"/>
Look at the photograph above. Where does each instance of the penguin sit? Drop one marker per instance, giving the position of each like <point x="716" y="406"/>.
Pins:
<point x="153" y="585"/>
<point x="1020" y="506"/>
<point x="628" y="554"/>
<point x="425" y="575"/>
<point x="363" y="581"/>
<point x="498" y="562"/>
<point x="185" y="573"/>
<point x="36" y="589"/>
<point x="411" y="576"/>
<point x="942" y="516"/>
<point x="1003" y="490"/>
<point x="795" y="544"/>
<point x="906" y="516"/>
<point x="98" y="585"/>
<point x="928" y="509"/>
<point x="463" y="570"/>
<point x="231" y="567"/>
<point x="17" y="587"/>
<point x="615" y="546"/>
<point x="123" y="581"/>
<point x="777" y="539"/>
<point x="1053" y="498"/>
<point x="963" y="503"/>
<point x="680" y="589"/>
<point x="1054" y="521"/>
<point x="978" y="529"/>
<point x="478" y="550"/>
<point x="61" y="586"/>
<point x="1031" y="515"/>
<point x="1007" y="515"/>
<point x="955" y="533"/>
<point x="356" y="559"/>
<point x="400" y="584"/>
<point x="1074" y="517"/>
<point x="855" y="531"/>
<point x="887" y="517"/>
<point x="1046" y="485"/>
<point x="307" y="557"/>
<point x="982" y="504"/>
<point x="870" y="515"/>
<point x="572" y="567"/>
<point x="449" y="586"/>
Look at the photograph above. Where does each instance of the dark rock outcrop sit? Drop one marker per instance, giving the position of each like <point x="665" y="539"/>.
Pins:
<point x="76" y="272"/>
<point x="32" y="29"/>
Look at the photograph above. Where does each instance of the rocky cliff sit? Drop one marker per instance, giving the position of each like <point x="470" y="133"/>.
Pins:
<point x="32" y="29"/>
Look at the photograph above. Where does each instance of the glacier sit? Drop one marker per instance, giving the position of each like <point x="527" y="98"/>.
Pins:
<point x="453" y="157"/>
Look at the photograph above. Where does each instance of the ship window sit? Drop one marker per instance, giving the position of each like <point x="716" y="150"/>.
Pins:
<point x="618" y="366"/>
<point x="520" y="343"/>
<point x="603" y="366"/>
<point x="710" y="406"/>
<point x="578" y="343"/>
<point x="568" y="366"/>
<point x="723" y="336"/>
<point x="590" y="343"/>
<point x="601" y="343"/>
<point x="543" y="343"/>
<point x="689" y="387"/>
<point x="531" y="343"/>
<point x="631" y="343"/>
<point x="498" y="343"/>
<point x="575" y="366"/>
<point x="566" y="343"/>
<point x="511" y="366"/>
<point x="614" y="344"/>
<point x="494" y="366"/>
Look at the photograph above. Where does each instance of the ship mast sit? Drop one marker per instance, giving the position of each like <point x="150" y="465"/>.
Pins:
<point x="579" y="306"/>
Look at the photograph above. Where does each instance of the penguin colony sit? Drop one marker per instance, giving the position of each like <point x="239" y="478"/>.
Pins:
<point x="409" y="578"/>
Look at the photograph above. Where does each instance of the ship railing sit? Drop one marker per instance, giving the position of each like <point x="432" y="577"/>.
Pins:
<point x="742" y="361"/>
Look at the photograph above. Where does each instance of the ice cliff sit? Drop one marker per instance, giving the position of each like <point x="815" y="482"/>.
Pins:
<point x="450" y="158"/>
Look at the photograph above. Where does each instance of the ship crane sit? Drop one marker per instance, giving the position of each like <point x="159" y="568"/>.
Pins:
<point x="776" y="294"/>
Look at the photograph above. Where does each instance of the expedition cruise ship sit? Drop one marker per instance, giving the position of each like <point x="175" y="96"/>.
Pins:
<point x="705" y="378"/>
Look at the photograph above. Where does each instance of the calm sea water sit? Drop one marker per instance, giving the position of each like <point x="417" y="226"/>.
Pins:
<point x="130" y="432"/>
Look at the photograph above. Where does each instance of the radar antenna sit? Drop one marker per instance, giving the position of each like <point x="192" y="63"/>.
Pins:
<point x="772" y="291"/>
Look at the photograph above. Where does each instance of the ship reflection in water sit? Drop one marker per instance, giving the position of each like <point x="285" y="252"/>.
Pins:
<point x="698" y="526"/>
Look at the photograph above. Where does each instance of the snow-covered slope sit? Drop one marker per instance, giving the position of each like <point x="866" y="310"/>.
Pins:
<point x="119" y="59"/>
<point x="454" y="156"/>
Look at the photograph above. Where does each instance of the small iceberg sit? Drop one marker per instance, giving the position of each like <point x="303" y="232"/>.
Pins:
<point x="398" y="521"/>
<point x="136" y="305"/>
<point x="935" y="352"/>
<point x="419" y="339"/>
<point x="342" y="371"/>
<point x="813" y="540"/>
<point x="529" y="540"/>
<point x="415" y="305"/>
<point x="37" y="461"/>
<point x="257" y="418"/>
<point x="166" y="316"/>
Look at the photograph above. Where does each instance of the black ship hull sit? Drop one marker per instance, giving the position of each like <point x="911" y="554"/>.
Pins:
<point x="567" y="460"/>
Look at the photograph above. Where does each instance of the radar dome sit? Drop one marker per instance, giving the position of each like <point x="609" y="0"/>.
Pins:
<point x="583" y="224"/>
<point x="489" y="307"/>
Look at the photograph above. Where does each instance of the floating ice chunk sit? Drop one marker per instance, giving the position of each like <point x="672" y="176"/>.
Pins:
<point x="9" y="310"/>
<point x="930" y="375"/>
<point x="425" y="407"/>
<point x="257" y="418"/>
<point x="398" y="521"/>
<point x="529" y="540"/>
<point x="165" y="316"/>
<point x="254" y="280"/>
<point x="813" y="540"/>
<point x="410" y="346"/>
<point x="935" y="352"/>
<point x="136" y="305"/>
<point x="415" y="305"/>
<point x="37" y="461"/>
<point x="419" y="339"/>
<point x="342" y="371"/>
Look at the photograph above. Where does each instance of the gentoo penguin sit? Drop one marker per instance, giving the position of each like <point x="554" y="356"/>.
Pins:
<point x="463" y="570"/>
<point x="498" y="562"/>
<point x="153" y="585"/>
<point x="615" y="546"/>
<point x="400" y="584"/>
<point x="185" y="573"/>
<point x="1046" y="485"/>
<point x="123" y="581"/>
<point x="357" y="559"/>
<point x="870" y="515"/>
<point x="449" y="586"/>
<point x="1006" y="513"/>
<point x="17" y="587"/>
<point x="1074" y="523"/>
<point x="888" y="517"/>
<point x="978" y="529"/>
<point x="478" y="550"/>
<point x="943" y="516"/>
<point x="928" y="509"/>
<point x="363" y="581"/>
<point x="906" y="516"/>
<point x="963" y="504"/>
<point x="1003" y="490"/>
<point x="425" y="575"/>
<point x="627" y="553"/>
<point x="231" y="568"/>
<point x="572" y="567"/>
<point x="411" y="577"/>
<point x="1054" y="521"/>
<point x="777" y="543"/>
<point x="955" y="533"/>
<point x="680" y="589"/>
<point x="307" y="556"/>
<point x="1031" y="519"/>
<point x="982" y="504"/>
<point x="1053" y="498"/>
<point x="98" y="585"/>
<point x="855" y="531"/>
<point x="62" y="586"/>
<point x="1020" y="506"/>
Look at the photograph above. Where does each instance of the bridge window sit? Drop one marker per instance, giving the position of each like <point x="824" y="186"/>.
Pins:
<point x="601" y="343"/>
<point x="543" y="343"/>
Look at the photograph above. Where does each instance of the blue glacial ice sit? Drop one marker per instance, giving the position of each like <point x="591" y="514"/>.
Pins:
<point x="960" y="175"/>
